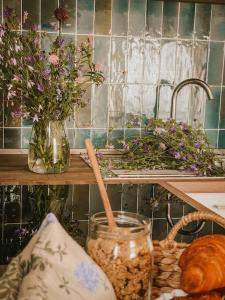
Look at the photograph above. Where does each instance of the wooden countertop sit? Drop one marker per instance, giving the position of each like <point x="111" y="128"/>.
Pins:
<point x="14" y="171"/>
<point x="207" y="195"/>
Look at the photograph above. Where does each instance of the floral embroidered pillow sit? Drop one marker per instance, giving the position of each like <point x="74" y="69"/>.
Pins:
<point x="53" y="266"/>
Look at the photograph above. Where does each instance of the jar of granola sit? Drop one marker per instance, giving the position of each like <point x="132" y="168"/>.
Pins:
<point x="125" y="253"/>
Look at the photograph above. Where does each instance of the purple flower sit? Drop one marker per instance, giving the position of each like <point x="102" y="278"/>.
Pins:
<point x="181" y="145"/>
<point x="59" y="41"/>
<point x="21" y="232"/>
<point x="41" y="56"/>
<point x="46" y="74"/>
<point x="99" y="154"/>
<point x="177" y="155"/>
<point x="198" y="144"/>
<point x="8" y="12"/>
<point x="126" y="147"/>
<point x="28" y="58"/>
<point x="40" y="87"/>
<point x="193" y="168"/>
<point x="173" y="129"/>
<point x="63" y="72"/>
<point x="18" y="114"/>
<point x="34" y="27"/>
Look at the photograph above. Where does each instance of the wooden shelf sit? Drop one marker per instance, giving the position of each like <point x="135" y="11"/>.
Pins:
<point x="14" y="171"/>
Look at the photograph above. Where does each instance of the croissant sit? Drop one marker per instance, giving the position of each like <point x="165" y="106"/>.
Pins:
<point x="203" y="265"/>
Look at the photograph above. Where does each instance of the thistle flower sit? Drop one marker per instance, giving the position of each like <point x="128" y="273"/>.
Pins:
<point x="53" y="59"/>
<point x="61" y="14"/>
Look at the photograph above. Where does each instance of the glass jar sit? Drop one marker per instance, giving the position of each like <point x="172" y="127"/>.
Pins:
<point x="49" y="150"/>
<point x="125" y="253"/>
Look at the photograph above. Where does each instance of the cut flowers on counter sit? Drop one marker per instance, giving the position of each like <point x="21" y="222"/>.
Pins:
<point x="170" y="145"/>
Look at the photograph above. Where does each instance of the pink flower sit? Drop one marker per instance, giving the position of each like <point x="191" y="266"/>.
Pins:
<point x="80" y="79"/>
<point x="162" y="146"/>
<point x="53" y="59"/>
<point x="13" y="61"/>
<point x="99" y="68"/>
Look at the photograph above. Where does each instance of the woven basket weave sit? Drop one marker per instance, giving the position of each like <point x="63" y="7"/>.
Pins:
<point x="166" y="272"/>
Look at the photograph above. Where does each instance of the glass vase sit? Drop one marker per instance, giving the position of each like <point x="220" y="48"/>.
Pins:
<point x="49" y="150"/>
<point x="125" y="253"/>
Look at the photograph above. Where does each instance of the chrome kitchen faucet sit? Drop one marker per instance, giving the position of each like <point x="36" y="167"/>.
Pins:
<point x="195" y="81"/>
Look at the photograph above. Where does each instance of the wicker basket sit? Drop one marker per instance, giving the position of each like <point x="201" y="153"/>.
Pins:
<point x="166" y="273"/>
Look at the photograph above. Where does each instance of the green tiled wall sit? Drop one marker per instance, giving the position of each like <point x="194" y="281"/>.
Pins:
<point x="147" y="48"/>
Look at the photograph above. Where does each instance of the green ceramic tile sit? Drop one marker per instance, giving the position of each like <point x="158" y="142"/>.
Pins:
<point x="71" y="137"/>
<point x="170" y="19"/>
<point x="102" y="17"/>
<point x="120" y="17"/>
<point x="116" y="119"/>
<point x="27" y="122"/>
<point x="81" y="202"/>
<point x="26" y="133"/>
<point x="154" y="18"/>
<point x="159" y="229"/>
<point x="131" y="133"/>
<point x="145" y="194"/>
<point x="212" y="110"/>
<point x="222" y="110"/>
<point x="215" y="63"/>
<point x="85" y="15"/>
<point x="80" y="136"/>
<point x="99" y="138"/>
<point x="33" y="9"/>
<point x="151" y="60"/>
<point x="114" y="192"/>
<point x="200" y="57"/>
<point x="129" y="198"/>
<point x="102" y="54"/>
<point x="12" y="138"/>
<point x="221" y="143"/>
<point x="118" y="60"/>
<point x="48" y="20"/>
<point x="218" y="229"/>
<point x="1" y="138"/>
<point x="100" y="106"/>
<point x="184" y="60"/>
<point x="218" y="23"/>
<point x="96" y="202"/>
<point x="202" y="21"/>
<point x="136" y="17"/>
<point x="116" y="101"/>
<point x="212" y="136"/>
<point x="186" y="22"/>
<point x="116" y="136"/>
<point x="168" y="62"/>
<point x="47" y="40"/>
<point x="70" y="24"/>
<point x="10" y="120"/>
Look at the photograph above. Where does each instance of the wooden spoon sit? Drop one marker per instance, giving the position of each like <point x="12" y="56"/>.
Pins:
<point x="101" y="186"/>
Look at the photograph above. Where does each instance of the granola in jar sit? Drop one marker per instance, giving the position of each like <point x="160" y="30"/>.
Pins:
<point x="125" y="253"/>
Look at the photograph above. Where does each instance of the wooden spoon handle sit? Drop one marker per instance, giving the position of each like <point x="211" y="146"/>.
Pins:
<point x="101" y="186"/>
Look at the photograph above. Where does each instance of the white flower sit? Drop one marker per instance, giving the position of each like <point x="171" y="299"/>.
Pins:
<point x="40" y="108"/>
<point x="35" y="118"/>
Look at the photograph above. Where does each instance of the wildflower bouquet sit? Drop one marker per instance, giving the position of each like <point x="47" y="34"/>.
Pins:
<point x="171" y="145"/>
<point x="50" y="84"/>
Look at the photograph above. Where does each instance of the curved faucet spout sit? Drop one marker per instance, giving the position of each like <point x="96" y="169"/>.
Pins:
<point x="195" y="81"/>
